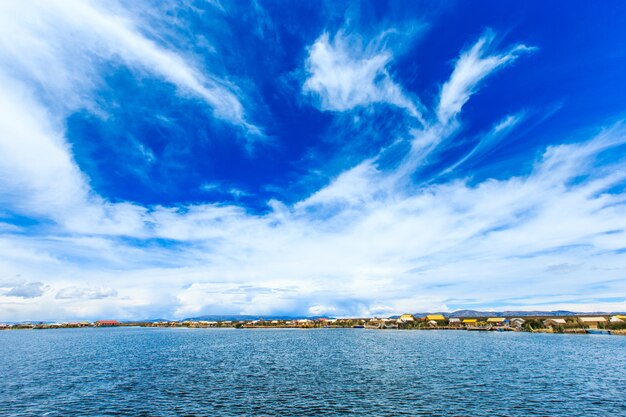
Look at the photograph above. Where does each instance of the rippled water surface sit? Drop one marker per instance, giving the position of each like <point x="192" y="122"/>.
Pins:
<point x="164" y="372"/>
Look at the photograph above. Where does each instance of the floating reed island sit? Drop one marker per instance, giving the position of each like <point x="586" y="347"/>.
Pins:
<point x="575" y="324"/>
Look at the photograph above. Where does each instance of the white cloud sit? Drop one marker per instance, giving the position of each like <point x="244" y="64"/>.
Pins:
<point x="36" y="168"/>
<point x="499" y="131"/>
<point x="85" y="293"/>
<point x="26" y="290"/>
<point x="370" y="242"/>
<point x="344" y="74"/>
<point x="50" y="58"/>
<point x="428" y="249"/>
<point x="67" y="40"/>
<point x="352" y="188"/>
<point x="470" y="69"/>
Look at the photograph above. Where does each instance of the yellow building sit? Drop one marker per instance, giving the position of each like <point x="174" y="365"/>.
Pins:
<point x="496" y="320"/>
<point x="435" y="317"/>
<point x="407" y="317"/>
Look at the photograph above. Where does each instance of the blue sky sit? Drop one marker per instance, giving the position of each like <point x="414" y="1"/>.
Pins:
<point x="340" y="158"/>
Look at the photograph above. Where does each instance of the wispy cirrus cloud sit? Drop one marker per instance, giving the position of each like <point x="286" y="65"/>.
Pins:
<point x="472" y="67"/>
<point x="69" y="40"/>
<point x="345" y="72"/>
<point x="488" y="140"/>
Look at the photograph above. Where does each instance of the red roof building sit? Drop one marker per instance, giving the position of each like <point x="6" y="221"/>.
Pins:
<point x="102" y="323"/>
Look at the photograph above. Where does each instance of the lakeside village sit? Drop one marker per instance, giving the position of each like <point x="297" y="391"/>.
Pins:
<point x="575" y="324"/>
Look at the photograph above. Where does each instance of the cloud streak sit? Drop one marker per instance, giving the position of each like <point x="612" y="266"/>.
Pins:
<point x="67" y="40"/>
<point x="472" y="67"/>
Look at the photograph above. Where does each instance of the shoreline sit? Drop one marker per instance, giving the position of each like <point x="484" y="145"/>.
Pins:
<point x="608" y="325"/>
<point x="539" y="331"/>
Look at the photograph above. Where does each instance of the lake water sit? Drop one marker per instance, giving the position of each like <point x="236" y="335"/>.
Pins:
<point x="213" y="372"/>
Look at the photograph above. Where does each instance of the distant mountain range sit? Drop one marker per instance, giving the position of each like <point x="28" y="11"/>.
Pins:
<point x="145" y="321"/>
<point x="476" y="313"/>
<point x="233" y="317"/>
<point x="459" y="313"/>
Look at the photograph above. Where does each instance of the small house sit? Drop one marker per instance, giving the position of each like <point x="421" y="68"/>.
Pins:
<point x="517" y="322"/>
<point x="437" y="318"/>
<point x="454" y="322"/>
<point x="592" y="322"/>
<point x="498" y="321"/>
<point x="406" y="318"/>
<point x="470" y="322"/>
<point x="550" y="323"/>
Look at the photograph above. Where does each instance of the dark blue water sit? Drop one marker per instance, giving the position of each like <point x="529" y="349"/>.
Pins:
<point x="212" y="372"/>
